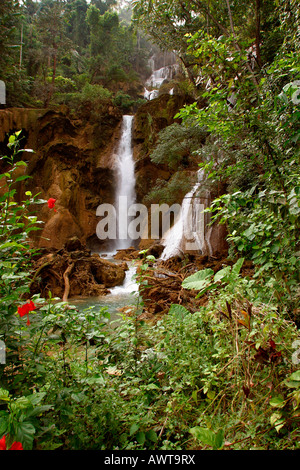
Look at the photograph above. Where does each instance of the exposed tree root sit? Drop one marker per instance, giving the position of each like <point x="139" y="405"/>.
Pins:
<point x="74" y="271"/>
<point x="67" y="282"/>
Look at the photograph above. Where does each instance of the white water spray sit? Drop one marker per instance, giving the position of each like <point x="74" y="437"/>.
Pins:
<point x="157" y="78"/>
<point x="188" y="231"/>
<point x="125" y="190"/>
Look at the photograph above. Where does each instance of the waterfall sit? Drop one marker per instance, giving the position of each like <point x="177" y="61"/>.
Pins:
<point x="187" y="233"/>
<point x="157" y="78"/>
<point x="124" y="197"/>
<point x="125" y="190"/>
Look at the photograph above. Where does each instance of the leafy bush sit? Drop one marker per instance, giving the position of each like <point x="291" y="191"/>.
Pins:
<point x="123" y="101"/>
<point x="177" y="144"/>
<point x="172" y="191"/>
<point x="94" y="93"/>
<point x="17" y="220"/>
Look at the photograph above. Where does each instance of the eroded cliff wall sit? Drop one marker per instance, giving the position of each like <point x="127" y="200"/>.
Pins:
<point x="73" y="162"/>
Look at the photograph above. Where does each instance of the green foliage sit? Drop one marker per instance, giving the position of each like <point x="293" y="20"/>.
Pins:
<point x="93" y="99"/>
<point x="223" y="376"/>
<point x="209" y="437"/>
<point x="267" y="232"/>
<point x="253" y="143"/>
<point x="64" y="85"/>
<point x="9" y="18"/>
<point x="94" y="93"/>
<point x="20" y="418"/>
<point x="17" y="220"/>
<point x="176" y="145"/>
<point x="64" y="40"/>
<point x="123" y="101"/>
<point x="172" y="191"/>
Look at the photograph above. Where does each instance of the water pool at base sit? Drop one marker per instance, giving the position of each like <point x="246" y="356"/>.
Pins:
<point x="120" y="296"/>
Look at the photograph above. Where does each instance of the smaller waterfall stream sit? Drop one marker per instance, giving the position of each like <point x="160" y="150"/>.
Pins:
<point x="157" y="78"/>
<point x="187" y="231"/>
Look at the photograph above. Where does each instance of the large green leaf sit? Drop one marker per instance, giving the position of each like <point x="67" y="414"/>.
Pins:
<point x="199" y="280"/>
<point x="11" y="244"/>
<point x="4" y="395"/>
<point x="178" y="311"/>
<point x="209" y="437"/>
<point x="4" y="422"/>
<point x="151" y="435"/>
<point x="140" y="437"/>
<point x="277" y="402"/>
<point x="25" y="434"/>
<point x="223" y="273"/>
<point x="237" y="266"/>
<point x="133" y="428"/>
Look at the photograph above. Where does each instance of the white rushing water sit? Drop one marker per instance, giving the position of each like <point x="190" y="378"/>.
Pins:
<point x="125" y="191"/>
<point x="157" y="78"/>
<point x="186" y="232"/>
<point x="129" y="285"/>
<point x="125" y="294"/>
<point x="125" y="196"/>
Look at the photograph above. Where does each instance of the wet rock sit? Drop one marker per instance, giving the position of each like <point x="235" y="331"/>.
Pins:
<point x="107" y="273"/>
<point x="73" y="244"/>
<point x="127" y="254"/>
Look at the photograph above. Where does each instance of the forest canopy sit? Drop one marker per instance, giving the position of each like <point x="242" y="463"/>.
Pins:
<point x="52" y="48"/>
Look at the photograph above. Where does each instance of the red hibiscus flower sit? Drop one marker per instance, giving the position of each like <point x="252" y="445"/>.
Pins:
<point x="14" y="446"/>
<point x="25" y="309"/>
<point x="51" y="203"/>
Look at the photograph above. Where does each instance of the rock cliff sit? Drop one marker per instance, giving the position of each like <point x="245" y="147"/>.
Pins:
<point x="151" y="118"/>
<point x="72" y="163"/>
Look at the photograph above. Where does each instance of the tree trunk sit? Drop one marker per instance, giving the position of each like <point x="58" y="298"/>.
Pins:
<point x="52" y="86"/>
<point x="257" y="32"/>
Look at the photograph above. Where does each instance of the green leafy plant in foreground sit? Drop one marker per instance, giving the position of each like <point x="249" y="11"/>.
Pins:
<point x="20" y="418"/>
<point x="256" y="364"/>
<point x="17" y="220"/>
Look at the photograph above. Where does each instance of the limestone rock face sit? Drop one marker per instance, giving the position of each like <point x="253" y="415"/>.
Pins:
<point x="73" y="162"/>
<point x="14" y="119"/>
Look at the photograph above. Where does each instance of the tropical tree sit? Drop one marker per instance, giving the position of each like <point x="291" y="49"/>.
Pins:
<point x="50" y="26"/>
<point x="170" y="24"/>
<point x="9" y="16"/>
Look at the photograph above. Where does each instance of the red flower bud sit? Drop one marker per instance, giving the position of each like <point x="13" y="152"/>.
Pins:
<point x="51" y="203"/>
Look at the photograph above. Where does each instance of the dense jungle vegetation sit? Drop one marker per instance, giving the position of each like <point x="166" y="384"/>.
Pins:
<point x="226" y="375"/>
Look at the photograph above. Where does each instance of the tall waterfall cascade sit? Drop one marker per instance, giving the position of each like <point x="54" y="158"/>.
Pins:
<point x="125" y="194"/>
<point x="189" y="232"/>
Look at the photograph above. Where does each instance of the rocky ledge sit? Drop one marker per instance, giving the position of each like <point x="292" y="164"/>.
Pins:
<point x="74" y="271"/>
